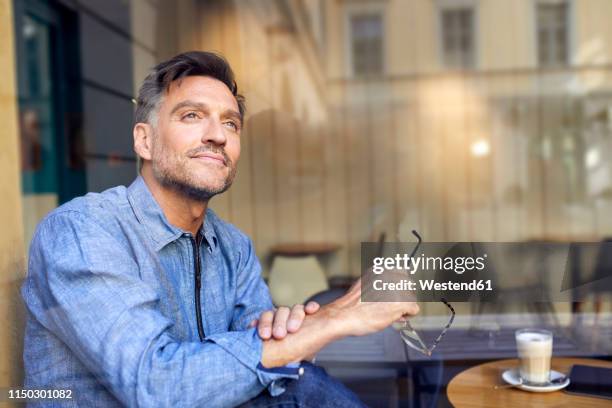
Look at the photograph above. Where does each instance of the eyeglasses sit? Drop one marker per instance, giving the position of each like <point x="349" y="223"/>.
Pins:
<point x="410" y="336"/>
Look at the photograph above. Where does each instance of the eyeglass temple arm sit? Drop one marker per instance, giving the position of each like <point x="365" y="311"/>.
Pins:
<point x="419" y="240"/>
<point x="415" y="334"/>
<point x="407" y="325"/>
<point x="448" y="325"/>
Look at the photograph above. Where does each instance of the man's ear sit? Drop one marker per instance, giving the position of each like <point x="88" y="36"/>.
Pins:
<point x="143" y="137"/>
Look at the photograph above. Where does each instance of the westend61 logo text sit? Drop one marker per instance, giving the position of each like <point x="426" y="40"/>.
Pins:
<point x="428" y="263"/>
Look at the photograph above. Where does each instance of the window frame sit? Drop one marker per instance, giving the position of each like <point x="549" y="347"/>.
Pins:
<point x="446" y="5"/>
<point x="352" y="10"/>
<point x="570" y="21"/>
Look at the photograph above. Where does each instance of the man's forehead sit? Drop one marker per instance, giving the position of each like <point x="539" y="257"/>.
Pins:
<point x="202" y="88"/>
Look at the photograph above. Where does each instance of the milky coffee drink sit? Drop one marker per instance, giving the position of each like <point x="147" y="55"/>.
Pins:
<point x="534" y="348"/>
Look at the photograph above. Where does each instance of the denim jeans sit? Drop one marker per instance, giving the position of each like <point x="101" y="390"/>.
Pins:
<point x="314" y="389"/>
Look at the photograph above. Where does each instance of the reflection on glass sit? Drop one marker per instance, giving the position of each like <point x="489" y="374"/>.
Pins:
<point x="31" y="149"/>
<point x="38" y="145"/>
<point x="470" y="121"/>
<point x="367" y="43"/>
<point x="457" y="37"/>
<point x="552" y="20"/>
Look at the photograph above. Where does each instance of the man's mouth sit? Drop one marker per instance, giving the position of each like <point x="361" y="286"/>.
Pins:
<point x="211" y="157"/>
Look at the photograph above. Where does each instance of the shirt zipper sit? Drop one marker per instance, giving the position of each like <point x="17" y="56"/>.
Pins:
<point x="198" y="283"/>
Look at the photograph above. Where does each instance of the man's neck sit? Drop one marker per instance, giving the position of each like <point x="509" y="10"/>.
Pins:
<point x="181" y="211"/>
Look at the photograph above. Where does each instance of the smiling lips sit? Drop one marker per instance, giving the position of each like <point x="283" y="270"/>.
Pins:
<point x="212" y="157"/>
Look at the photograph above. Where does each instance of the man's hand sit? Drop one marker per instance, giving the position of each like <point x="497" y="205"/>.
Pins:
<point x="346" y="316"/>
<point x="277" y="323"/>
<point x="358" y="318"/>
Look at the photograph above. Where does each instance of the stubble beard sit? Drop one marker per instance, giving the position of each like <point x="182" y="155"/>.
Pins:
<point x="172" y="171"/>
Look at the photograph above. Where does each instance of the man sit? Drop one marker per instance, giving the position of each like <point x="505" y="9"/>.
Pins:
<point x="142" y="296"/>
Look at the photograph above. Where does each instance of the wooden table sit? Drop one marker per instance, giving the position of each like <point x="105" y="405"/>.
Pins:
<point x="474" y="387"/>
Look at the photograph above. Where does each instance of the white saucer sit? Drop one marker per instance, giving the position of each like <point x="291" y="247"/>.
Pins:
<point x="512" y="377"/>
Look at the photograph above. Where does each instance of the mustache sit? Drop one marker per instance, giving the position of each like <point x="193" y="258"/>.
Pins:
<point x="210" y="148"/>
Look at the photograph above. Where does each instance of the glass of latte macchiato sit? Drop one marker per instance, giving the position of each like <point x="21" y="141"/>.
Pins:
<point x="534" y="348"/>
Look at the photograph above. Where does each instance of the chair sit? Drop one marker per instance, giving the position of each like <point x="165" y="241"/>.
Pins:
<point x="294" y="279"/>
<point x="521" y="271"/>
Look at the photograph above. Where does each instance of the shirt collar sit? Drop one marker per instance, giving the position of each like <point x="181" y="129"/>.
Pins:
<point x="149" y="213"/>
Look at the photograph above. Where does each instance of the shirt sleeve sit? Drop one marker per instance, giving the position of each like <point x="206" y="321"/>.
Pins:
<point x="252" y="294"/>
<point x="252" y="299"/>
<point x="84" y="286"/>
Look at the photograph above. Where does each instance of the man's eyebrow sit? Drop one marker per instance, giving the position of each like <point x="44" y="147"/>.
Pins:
<point x="189" y="104"/>
<point x="230" y="113"/>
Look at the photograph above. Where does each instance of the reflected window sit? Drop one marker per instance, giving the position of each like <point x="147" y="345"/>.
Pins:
<point x="552" y="26"/>
<point x="367" y="43"/>
<point x="458" y="38"/>
<point x="51" y="138"/>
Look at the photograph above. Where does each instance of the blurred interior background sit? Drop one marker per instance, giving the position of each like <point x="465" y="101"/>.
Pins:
<point x="462" y="119"/>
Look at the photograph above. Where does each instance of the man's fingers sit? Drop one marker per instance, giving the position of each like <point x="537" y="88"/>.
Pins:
<point x="312" y="307"/>
<point x="283" y="320"/>
<point x="265" y="324"/>
<point x="412" y="309"/>
<point x="253" y="323"/>
<point x="296" y="317"/>
<point x="279" y="331"/>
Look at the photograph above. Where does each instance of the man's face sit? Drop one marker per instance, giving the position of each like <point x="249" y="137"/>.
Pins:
<point x="196" y="143"/>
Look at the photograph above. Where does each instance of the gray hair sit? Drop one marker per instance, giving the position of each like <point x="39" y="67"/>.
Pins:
<point x="192" y="63"/>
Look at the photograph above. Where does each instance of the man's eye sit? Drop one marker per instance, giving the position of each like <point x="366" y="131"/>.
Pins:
<point x="190" y="115"/>
<point x="232" y="125"/>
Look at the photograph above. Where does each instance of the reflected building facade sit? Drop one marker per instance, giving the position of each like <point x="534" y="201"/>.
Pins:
<point x="463" y="119"/>
<point x="480" y="121"/>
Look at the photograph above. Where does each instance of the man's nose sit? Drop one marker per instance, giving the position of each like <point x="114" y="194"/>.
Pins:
<point x="214" y="133"/>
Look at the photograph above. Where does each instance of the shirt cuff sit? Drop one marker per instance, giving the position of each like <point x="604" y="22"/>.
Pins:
<point x="277" y="377"/>
<point x="246" y="346"/>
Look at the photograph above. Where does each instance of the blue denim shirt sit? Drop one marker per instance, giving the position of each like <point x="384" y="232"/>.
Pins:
<point x="111" y="300"/>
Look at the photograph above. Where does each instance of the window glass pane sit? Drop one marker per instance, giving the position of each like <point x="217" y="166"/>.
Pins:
<point x="552" y="34"/>
<point x="365" y="118"/>
<point x="457" y="38"/>
<point x="366" y="37"/>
